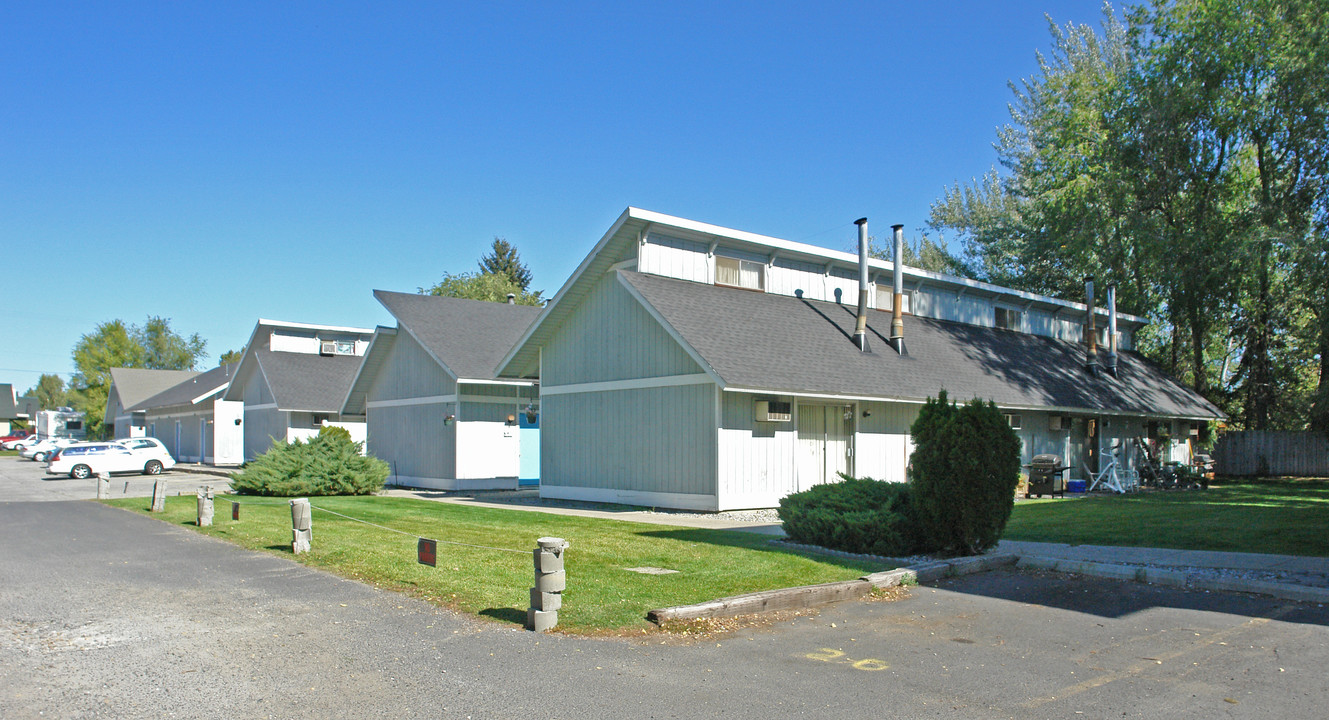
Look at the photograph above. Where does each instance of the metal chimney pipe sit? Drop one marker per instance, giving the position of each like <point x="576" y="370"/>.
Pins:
<point x="1090" y="330"/>
<point x="861" y="327"/>
<point x="1112" y="329"/>
<point x="512" y="298"/>
<point x="897" y="292"/>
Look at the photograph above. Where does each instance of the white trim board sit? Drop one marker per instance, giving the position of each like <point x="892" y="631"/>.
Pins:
<point x="633" y="384"/>
<point x="403" y="402"/>
<point x="264" y="406"/>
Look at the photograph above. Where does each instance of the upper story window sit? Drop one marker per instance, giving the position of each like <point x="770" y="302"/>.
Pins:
<point x="1007" y="319"/>
<point x="740" y="273"/>
<point x="886" y="299"/>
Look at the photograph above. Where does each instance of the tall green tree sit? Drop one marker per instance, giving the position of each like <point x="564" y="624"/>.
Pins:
<point x="113" y="344"/>
<point x="50" y="391"/>
<point x="492" y="287"/>
<point x="502" y="259"/>
<point x="230" y="356"/>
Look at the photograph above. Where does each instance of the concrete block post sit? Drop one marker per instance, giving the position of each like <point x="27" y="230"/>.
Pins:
<point x="302" y="525"/>
<point x="205" y="506"/>
<point x="159" y="496"/>
<point x="550" y="581"/>
<point x="103" y="486"/>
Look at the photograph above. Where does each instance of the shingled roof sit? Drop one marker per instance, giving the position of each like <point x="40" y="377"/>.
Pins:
<point x="305" y="382"/>
<point x="468" y="337"/>
<point x="134" y="385"/>
<point x="192" y="390"/>
<point x="779" y="344"/>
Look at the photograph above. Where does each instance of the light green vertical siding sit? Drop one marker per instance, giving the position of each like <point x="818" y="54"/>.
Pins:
<point x="612" y="337"/>
<point x="410" y="372"/>
<point x="654" y="440"/>
<point x="414" y="440"/>
<point x="261" y="426"/>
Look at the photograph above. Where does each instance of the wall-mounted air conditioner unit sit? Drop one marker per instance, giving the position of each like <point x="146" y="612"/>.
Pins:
<point x="773" y="411"/>
<point x="327" y="347"/>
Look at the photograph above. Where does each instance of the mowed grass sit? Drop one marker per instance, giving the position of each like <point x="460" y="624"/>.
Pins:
<point x="1283" y="516"/>
<point x="602" y="595"/>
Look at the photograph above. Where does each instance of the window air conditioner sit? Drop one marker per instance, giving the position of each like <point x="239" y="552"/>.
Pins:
<point x="327" y="347"/>
<point x="773" y="411"/>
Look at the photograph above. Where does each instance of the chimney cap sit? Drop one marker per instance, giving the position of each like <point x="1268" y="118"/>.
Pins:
<point x="860" y="221"/>
<point x="897" y="226"/>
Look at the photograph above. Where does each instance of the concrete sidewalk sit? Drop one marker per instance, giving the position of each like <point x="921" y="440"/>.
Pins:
<point x="529" y="500"/>
<point x="1163" y="557"/>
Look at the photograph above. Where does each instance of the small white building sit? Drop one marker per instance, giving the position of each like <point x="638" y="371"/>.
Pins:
<point x="692" y="366"/>
<point x="192" y="420"/>
<point x="292" y="380"/>
<point x="131" y="386"/>
<point x="435" y="410"/>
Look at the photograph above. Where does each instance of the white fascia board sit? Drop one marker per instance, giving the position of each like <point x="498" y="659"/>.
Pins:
<point x="408" y="402"/>
<point x="630" y="384"/>
<point x="311" y="326"/>
<point x="824" y="396"/>
<point x="491" y="381"/>
<point x="369" y="352"/>
<point x="819" y="255"/>
<point x="563" y="291"/>
<point x="210" y="393"/>
<point x="655" y="314"/>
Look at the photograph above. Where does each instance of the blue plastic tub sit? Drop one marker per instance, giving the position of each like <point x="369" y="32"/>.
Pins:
<point x="1075" y="486"/>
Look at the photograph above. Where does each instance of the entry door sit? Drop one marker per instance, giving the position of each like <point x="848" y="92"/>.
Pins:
<point x="825" y="444"/>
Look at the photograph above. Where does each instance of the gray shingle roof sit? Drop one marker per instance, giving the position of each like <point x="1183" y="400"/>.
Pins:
<point x="186" y="392"/>
<point x="777" y="343"/>
<point x="301" y="381"/>
<point x="468" y="336"/>
<point x="134" y="385"/>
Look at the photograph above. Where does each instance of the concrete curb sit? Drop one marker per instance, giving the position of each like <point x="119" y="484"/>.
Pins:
<point x="197" y="470"/>
<point x="807" y="596"/>
<point x="1175" y="578"/>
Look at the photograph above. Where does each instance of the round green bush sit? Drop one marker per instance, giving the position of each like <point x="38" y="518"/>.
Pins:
<point x="329" y="464"/>
<point x="857" y="515"/>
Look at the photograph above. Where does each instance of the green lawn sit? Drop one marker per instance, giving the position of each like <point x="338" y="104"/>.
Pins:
<point x="1281" y="516"/>
<point x="601" y="594"/>
<point x="8" y="453"/>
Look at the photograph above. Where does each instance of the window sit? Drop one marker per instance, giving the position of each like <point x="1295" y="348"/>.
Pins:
<point x="1015" y="420"/>
<point x="1007" y="319"/>
<point x="740" y="273"/>
<point x="886" y="299"/>
<point x="345" y="347"/>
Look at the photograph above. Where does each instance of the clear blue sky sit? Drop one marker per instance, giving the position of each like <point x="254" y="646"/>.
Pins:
<point x="214" y="163"/>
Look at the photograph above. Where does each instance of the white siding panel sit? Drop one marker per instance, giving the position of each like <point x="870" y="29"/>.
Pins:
<point x="788" y="277"/>
<point x="672" y="257"/>
<point x="756" y="458"/>
<point x="883" y="440"/>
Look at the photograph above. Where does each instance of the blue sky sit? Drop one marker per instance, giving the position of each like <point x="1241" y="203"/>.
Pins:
<point x="214" y="163"/>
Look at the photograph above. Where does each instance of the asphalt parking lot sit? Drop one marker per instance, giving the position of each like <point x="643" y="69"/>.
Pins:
<point x="22" y="480"/>
<point x="104" y="612"/>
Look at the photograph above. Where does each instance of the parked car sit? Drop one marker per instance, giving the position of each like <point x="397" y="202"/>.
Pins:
<point x="82" y="460"/>
<point x="11" y="437"/>
<point x="19" y="443"/>
<point x="150" y="450"/>
<point x="41" y="450"/>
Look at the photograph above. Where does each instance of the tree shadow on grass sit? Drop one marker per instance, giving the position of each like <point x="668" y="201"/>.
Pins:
<point x="762" y="543"/>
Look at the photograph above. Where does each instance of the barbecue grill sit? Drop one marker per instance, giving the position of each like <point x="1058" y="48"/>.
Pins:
<point x="1045" y="476"/>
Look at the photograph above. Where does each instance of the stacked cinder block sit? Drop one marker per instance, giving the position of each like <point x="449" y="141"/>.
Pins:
<point x="550" y="581"/>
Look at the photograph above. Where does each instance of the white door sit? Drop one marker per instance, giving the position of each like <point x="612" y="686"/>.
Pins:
<point x="228" y="434"/>
<point x="487" y="450"/>
<point x="825" y="443"/>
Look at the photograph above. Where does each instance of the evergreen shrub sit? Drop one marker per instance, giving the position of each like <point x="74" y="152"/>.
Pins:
<point x="964" y="471"/>
<point x="329" y="464"/>
<point x="857" y="515"/>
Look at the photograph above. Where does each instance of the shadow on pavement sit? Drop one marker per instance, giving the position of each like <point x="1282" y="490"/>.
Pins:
<point x="1119" y="598"/>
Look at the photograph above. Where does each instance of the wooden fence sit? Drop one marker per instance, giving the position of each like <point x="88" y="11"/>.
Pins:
<point x="1256" y="452"/>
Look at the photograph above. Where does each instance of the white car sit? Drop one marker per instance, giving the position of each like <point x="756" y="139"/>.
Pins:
<point x="82" y="460"/>
<point x="42" y="449"/>
<point x="149" y="448"/>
